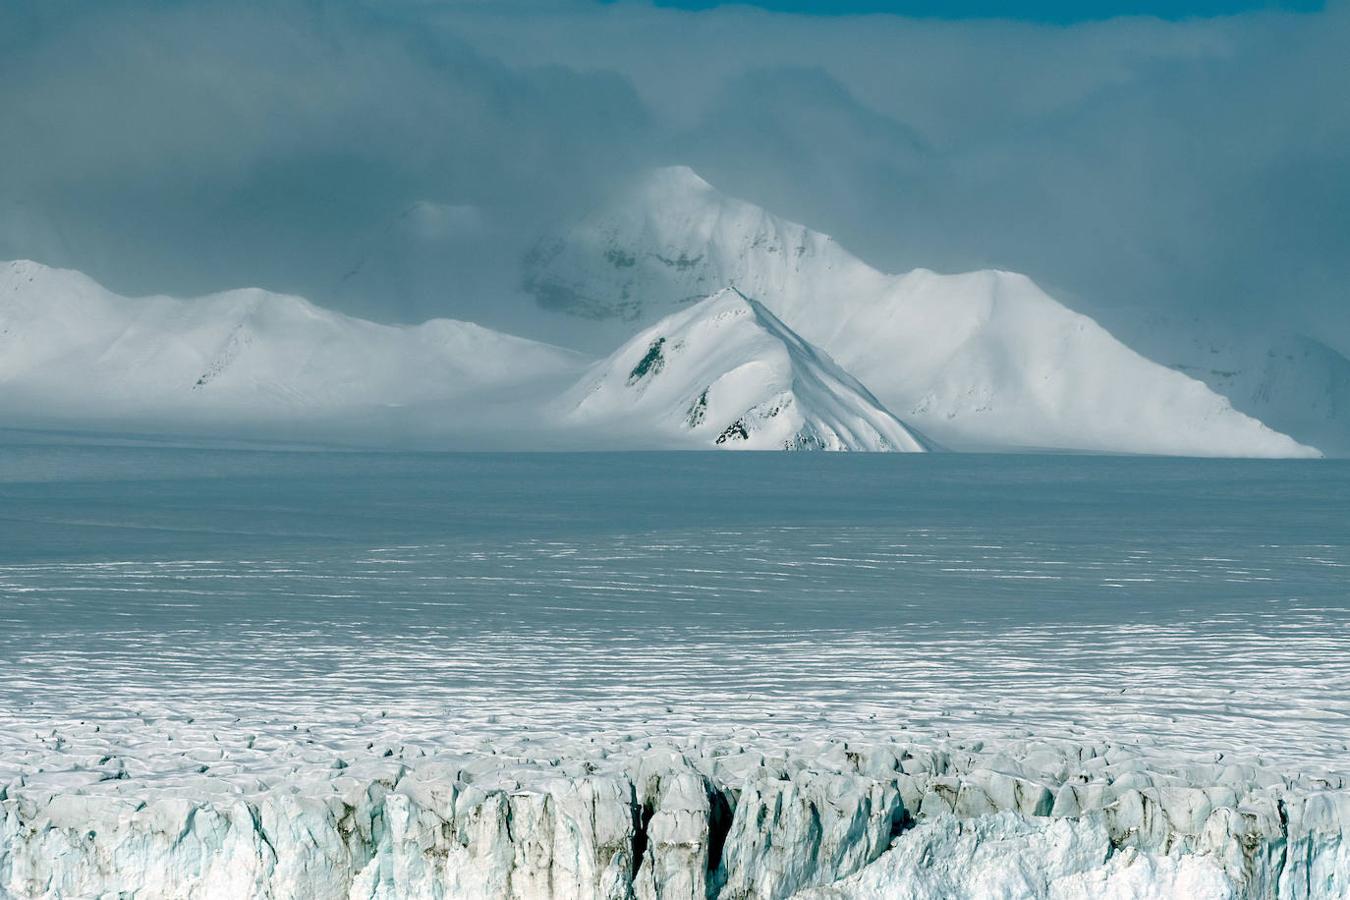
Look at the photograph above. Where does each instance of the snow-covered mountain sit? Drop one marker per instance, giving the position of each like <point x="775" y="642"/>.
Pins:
<point x="1292" y="382"/>
<point x="979" y="360"/>
<point x="727" y="373"/>
<point x="71" y="350"/>
<point x="983" y="360"/>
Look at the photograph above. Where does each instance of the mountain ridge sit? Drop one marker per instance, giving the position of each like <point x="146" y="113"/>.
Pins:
<point x="979" y="360"/>
<point x="78" y="351"/>
<point x="986" y="354"/>
<point x="726" y="372"/>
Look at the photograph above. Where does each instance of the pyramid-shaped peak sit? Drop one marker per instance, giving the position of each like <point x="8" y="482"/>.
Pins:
<point x="671" y="239"/>
<point x="726" y="373"/>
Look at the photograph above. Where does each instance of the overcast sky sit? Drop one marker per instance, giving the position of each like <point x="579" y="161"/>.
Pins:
<point x="1058" y="11"/>
<point x="1196" y="163"/>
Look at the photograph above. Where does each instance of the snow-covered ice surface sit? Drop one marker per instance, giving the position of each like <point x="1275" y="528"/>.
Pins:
<point x="235" y="673"/>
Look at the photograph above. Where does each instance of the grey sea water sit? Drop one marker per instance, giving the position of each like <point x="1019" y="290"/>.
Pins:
<point x="1192" y="606"/>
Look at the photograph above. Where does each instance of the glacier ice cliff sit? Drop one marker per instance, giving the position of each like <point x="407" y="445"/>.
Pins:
<point x="671" y="820"/>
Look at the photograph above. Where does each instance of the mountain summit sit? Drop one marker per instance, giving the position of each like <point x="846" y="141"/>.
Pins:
<point x="670" y="240"/>
<point x="727" y="373"/>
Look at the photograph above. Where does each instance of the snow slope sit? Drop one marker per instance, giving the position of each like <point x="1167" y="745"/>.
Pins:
<point x="979" y="360"/>
<point x="727" y="373"/>
<point x="1293" y="382"/>
<point x="70" y="349"/>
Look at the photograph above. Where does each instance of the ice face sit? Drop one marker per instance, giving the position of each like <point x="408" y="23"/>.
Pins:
<point x="656" y="818"/>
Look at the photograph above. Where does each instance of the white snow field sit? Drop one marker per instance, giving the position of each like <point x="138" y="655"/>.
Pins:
<point x="309" y="674"/>
<point x="73" y="352"/>
<point x="982" y="360"/>
<point x="726" y="372"/>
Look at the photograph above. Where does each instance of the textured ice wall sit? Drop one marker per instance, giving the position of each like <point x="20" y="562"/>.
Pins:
<point x="1045" y="820"/>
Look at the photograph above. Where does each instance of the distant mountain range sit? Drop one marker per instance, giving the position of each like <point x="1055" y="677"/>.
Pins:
<point x="753" y="333"/>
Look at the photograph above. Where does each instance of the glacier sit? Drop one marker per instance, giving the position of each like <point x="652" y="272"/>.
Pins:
<point x="236" y="673"/>
<point x="657" y="817"/>
<point x="257" y="756"/>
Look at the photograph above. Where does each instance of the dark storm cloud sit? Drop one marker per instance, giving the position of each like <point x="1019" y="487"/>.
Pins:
<point x="1198" y="165"/>
<point x="188" y="146"/>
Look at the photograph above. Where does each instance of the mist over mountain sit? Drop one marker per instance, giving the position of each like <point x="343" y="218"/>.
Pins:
<point x="979" y="360"/>
<point x="1134" y="167"/>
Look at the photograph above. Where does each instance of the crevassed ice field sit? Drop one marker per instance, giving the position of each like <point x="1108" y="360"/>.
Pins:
<point x="1193" y="607"/>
